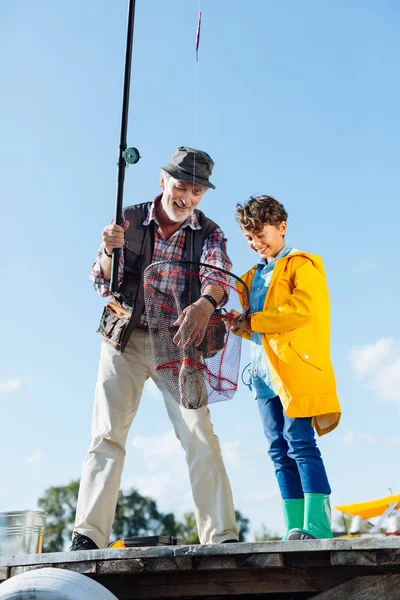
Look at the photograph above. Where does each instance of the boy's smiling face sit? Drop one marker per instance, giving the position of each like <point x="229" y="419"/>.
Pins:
<point x="268" y="241"/>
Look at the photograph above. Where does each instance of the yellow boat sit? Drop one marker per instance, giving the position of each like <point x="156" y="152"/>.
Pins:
<point x="373" y="508"/>
<point x="386" y="508"/>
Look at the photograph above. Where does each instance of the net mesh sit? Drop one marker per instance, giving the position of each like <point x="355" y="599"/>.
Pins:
<point x="196" y="374"/>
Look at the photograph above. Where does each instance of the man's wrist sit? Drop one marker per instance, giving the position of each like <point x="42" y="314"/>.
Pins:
<point x="211" y="300"/>
<point x="108" y="254"/>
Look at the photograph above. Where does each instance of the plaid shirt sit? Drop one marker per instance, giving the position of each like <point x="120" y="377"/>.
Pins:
<point x="214" y="252"/>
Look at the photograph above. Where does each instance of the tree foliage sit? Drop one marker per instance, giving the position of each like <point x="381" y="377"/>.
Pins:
<point x="135" y="515"/>
<point x="188" y="530"/>
<point x="60" y="505"/>
<point x="243" y="524"/>
<point x="266" y="535"/>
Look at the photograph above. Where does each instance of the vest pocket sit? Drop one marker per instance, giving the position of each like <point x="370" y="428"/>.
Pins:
<point x="113" y="322"/>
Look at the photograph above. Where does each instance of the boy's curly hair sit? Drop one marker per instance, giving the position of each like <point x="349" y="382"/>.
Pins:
<point x="260" y="210"/>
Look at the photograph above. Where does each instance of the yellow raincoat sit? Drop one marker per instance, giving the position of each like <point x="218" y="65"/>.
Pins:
<point x="295" y="328"/>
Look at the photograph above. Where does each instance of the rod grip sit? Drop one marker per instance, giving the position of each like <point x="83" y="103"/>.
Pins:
<point x="114" y="270"/>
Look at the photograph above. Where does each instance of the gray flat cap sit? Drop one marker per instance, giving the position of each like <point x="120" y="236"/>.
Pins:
<point x="188" y="164"/>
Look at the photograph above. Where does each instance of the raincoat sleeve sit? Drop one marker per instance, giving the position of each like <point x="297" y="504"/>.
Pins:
<point x="309" y="289"/>
<point x="241" y="333"/>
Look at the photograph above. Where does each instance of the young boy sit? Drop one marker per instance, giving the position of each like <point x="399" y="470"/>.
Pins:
<point x="292" y="376"/>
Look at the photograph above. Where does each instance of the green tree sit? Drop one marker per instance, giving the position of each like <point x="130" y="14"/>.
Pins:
<point x="60" y="504"/>
<point x="169" y="525"/>
<point x="135" y="515"/>
<point x="243" y="524"/>
<point x="266" y="535"/>
<point x="138" y="515"/>
<point x="188" y="528"/>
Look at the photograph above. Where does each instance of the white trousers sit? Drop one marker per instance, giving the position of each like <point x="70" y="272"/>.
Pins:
<point x="118" y="391"/>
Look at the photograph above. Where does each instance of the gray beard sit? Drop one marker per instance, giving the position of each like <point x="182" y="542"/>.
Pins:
<point x="173" y="216"/>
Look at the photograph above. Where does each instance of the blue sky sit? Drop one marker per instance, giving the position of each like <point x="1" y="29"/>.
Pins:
<point x="297" y="100"/>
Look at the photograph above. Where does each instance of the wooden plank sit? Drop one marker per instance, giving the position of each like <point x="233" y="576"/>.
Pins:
<point x="17" y="570"/>
<point x="4" y="573"/>
<point x="120" y="566"/>
<point x="178" y="563"/>
<point x="210" y="571"/>
<point x="258" y="561"/>
<point x="384" y="587"/>
<point x="303" y="560"/>
<point x="352" y="558"/>
<point x="228" y="583"/>
<point x="365" y="557"/>
<point x="171" y="564"/>
<point x="388" y="557"/>
<point x="86" y="567"/>
<point x="207" y="589"/>
<point x="278" y="547"/>
<point x="318" y="578"/>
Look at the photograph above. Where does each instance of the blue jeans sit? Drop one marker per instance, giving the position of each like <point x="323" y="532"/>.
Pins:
<point x="297" y="460"/>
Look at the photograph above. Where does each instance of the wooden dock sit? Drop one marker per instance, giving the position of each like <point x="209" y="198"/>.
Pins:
<point x="338" y="569"/>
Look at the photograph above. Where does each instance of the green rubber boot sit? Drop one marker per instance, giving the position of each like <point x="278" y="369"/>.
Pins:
<point x="293" y="513"/>
<point x="317" y="519"/>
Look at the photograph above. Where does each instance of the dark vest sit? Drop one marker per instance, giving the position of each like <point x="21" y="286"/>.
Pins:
<point x="138" y="253"/>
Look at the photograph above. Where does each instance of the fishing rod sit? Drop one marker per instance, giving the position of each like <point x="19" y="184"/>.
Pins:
<point x="126" y="155"/>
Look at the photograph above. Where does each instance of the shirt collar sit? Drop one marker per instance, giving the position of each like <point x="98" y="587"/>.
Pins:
<point x="192" y="220"/>
<point x="281" y="254"/>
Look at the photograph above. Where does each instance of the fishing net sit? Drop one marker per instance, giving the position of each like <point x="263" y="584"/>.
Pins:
<point x="195" y="375"/>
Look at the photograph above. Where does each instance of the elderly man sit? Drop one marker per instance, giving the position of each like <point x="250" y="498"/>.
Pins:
<point x="168" y="228"/>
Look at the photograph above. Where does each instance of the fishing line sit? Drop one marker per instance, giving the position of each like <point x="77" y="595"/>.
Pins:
<point x="197" y="74"/>
<point x="196" y="112"/>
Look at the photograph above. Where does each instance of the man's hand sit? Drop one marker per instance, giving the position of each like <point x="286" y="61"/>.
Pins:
<point x="113" y="236"/>
<point x="193" y="323"/>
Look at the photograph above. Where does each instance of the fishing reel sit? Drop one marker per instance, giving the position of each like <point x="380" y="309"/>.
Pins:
<point x="131" y="156"/>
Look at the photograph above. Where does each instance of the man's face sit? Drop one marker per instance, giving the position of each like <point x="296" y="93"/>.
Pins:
<point x="268" y="241"/>
<point x="179" y="198"/>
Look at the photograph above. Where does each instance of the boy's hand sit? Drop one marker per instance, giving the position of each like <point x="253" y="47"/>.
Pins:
<point x="246" y="325"/>
<point x="235" y="322"/>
